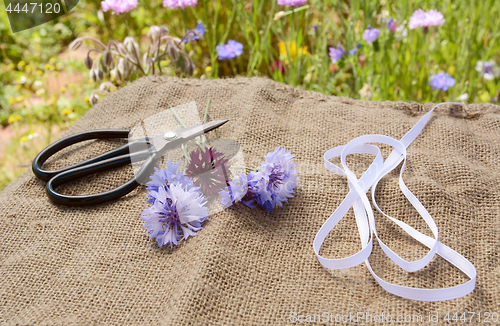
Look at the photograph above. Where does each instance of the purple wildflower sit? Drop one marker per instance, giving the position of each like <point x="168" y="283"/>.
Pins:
<point x="164" y="178"/>
<point x="291" y="2"/>
<point x="273" y="183"/>
<point x="174" y="4"/>
<point x="442" y="81"/>
<point x="118" y="6"/>
<point x="208" y="170"/>
<point x="200" y="31"/>
<point x="336" y="54"/>
<point x="371" y="34"/>
<point x="391" y="25"/>
<point x="235" y="192"/>
<point x="488" y="69"/>
<point x="230" y="50"/>
<point x="177" y="213"/>
<point x="424" y="19"/>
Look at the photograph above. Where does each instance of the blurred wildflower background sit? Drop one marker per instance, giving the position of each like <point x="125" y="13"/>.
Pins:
<point x="419" y="51"/>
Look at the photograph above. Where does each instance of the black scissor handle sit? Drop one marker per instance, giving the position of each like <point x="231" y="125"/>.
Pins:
<point x="76" y="138"/>
<point x="92" y="199"/>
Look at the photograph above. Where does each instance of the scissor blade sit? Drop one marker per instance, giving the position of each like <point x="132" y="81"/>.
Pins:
<point x="183" y="135"/>
<point x="195" y="131"/>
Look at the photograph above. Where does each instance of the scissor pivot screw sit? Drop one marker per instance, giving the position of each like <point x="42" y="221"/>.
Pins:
<point x="170" y="135"/>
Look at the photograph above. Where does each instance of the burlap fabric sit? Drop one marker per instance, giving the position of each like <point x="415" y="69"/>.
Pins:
<point x="96" y="265"/>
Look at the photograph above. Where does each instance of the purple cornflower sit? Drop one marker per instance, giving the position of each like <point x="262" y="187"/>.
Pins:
<point x="174" y="4"/>
<point x="177" y="213"/>
<point x="235" y="192"/>
<point x="488" y="69"/>
<point x="164" y="178"/>
<point x="291" y="2"/>
<point x="118" y="6"/>
<point x="200" y="31"/>
<point x="230" y="50"/>
<point x="442" y="81"/>
<point x="391" y="25"/>
<point x="273" y="183"/>
<point x="337" y="53"/>
<point x="424" y="19"/>
<point x="371" y="34"/>
<point x="208" y="169"/>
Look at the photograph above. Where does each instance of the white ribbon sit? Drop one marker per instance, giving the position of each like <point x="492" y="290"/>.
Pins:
<point x="366" y="223"/>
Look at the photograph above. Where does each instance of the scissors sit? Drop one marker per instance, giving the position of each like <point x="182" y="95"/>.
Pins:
<point x="119" y="156"/>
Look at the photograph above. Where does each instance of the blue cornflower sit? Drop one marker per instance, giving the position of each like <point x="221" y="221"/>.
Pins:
<point x="164" y="178"/>
<point x="200" y="31"/>
<point x="235" y="192"/>
<point x="177" y="213"/>
<point x="230" y="50"/>
<point x="273" y="183"/>
<point x="337" y="53"/>
<point x="442" y="81"/>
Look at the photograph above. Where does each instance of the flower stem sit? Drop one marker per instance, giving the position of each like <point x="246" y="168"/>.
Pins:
<point x="206" y="111"/>
<point x="201" y="145"/>
<point x="242" y="167"/>
<point x="125" y="22"/>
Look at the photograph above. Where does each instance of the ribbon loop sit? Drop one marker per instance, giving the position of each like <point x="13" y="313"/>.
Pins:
<point x="358" y="200"/>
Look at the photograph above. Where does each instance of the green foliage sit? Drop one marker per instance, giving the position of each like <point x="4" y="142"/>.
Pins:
<point x="396" y="68"/>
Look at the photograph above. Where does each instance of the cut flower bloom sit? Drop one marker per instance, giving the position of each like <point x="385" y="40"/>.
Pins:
<point x="269" y="186"/>
<point x="178" y="207"/>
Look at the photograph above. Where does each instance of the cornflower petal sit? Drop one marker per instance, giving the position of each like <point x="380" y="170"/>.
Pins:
<point x="178" y="209"/>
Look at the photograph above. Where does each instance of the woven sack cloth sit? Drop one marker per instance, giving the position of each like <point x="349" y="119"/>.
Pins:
<point x="96" y="265"/>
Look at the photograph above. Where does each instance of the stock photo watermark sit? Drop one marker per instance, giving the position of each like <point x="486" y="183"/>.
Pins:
<point x="26" y="14"/>
<point x="363" y="317"/>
